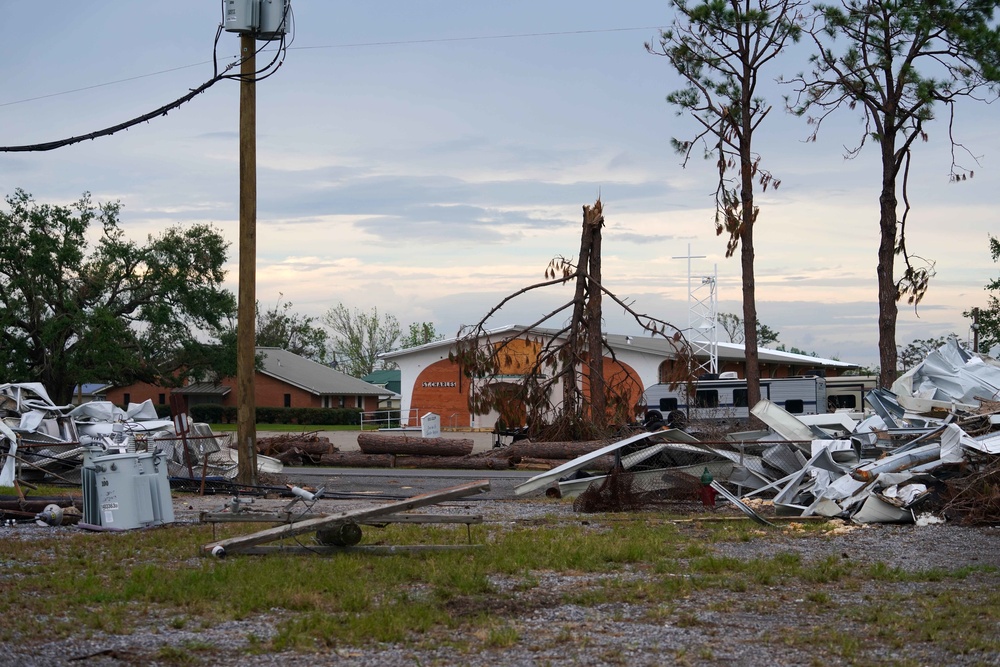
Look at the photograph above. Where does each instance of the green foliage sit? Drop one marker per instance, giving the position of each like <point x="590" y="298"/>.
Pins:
<point x="420" y="333"/>
<point x="279" y="327"/>
<point x="72" y="311"/>
<point x="359" y="338"/>
<point x="226" y="414"/>
<point x="989" y="318"/>
<point x="732" y="324"/>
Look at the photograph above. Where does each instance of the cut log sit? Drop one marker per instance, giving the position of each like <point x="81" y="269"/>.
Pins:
<point x="380" y="443"/>
<point x="356" y="460"/>
<point x="553" y="450"/>
<point x="460" y="462"/>
<point x="362" y="460"/>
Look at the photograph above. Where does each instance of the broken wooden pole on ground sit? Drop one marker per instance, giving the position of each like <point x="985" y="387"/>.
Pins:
<point x="236" y="545"/>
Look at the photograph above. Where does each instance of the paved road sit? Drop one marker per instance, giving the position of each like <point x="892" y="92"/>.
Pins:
<point x="402" y="482"/>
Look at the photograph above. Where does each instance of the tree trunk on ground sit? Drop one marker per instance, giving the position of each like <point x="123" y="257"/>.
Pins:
<point x="356" y="460"/>
<point x="378" y="443"/>
<point x="361" y="460"/>
<point x="553" y="450"/>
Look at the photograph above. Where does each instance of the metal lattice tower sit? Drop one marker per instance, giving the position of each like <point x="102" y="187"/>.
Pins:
<point x="703" y="331"/>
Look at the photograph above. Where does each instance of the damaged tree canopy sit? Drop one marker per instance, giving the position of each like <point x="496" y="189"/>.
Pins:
<point x="561" y="385"/>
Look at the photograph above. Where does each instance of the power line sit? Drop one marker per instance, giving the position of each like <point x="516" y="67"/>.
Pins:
<point x="477" y="38"/>
<point x="341" y="46"/>
<point x="259" y="75"/>
<point x="106" y="83"/>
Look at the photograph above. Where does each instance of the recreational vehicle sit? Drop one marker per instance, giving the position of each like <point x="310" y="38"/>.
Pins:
<point x="847" y="392"/>
<point x="725" y="398"/>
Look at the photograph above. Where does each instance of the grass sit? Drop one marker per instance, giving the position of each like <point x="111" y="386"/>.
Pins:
<point x="41" y="491"/>
<point x="56" y="585"/>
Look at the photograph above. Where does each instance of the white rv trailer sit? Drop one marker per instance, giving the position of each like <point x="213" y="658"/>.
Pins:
<point x="726" y="398"/>
<point x="847" y="392"/>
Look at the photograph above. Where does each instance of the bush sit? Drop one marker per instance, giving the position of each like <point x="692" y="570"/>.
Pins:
<point x="219" y="414"/>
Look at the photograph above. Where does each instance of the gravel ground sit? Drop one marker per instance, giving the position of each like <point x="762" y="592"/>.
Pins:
<point x="709" y="627"/>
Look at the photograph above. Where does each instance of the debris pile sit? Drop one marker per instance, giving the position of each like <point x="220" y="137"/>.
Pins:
<point x="931" y="445"/>
<point x="42" y="441"/>
<point x="296" y="449"/>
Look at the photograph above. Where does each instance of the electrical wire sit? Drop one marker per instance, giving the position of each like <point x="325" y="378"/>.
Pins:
<point x="259" y="75"/>
<point x="289" y="47"/>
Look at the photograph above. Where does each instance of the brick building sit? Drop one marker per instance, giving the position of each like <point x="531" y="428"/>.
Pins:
<point x="283" y="380"/>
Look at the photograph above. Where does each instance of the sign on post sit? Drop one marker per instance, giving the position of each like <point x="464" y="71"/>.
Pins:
<point x="430" y="425"/>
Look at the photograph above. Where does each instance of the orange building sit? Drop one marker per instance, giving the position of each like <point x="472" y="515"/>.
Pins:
<point x="431" y="382"/>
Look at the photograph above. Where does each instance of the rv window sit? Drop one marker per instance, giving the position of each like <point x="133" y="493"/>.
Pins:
<point x="841" y="401"/>
<point x="707" y="398"/>
<point x="739" y="398"/>
<point x="795" y="406"/>
<point x="668" y="404"/>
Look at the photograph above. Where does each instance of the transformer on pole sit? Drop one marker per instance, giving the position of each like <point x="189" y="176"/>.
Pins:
<point x="264" y="19"/>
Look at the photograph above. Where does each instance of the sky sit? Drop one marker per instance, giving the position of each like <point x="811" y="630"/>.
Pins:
<point x="428" y="159"/>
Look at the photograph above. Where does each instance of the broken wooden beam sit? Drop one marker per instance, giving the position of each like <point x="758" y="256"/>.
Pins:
<point x="291" y="517"/>
<point x="240" y="544"/>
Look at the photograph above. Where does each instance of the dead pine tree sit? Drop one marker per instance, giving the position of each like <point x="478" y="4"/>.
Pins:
<point x="596" y="397"/>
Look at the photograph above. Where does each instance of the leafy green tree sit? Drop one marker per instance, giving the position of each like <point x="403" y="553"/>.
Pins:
<point x="112" y="311"/>
<point x="988" y="318"/>
<point x="279" y="327"/>
<point x="420" y="333"/>
<point x="720" y="48"/>
<point x="897" y="60"/>
<point x="359" y="338"/>
<point x="732" y="324"/>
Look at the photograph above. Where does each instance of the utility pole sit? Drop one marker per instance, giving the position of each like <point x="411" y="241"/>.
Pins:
<point x="254" y="20"/>
<point x="246" y="315"/>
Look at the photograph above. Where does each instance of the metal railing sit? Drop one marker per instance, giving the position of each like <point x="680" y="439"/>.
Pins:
<point x="389" y="419"/>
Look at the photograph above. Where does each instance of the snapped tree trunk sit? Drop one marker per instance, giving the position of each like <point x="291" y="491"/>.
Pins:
<point x="593" y="220"/>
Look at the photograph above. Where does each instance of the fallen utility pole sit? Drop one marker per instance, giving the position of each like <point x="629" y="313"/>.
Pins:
<point x="237" y="545"/>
